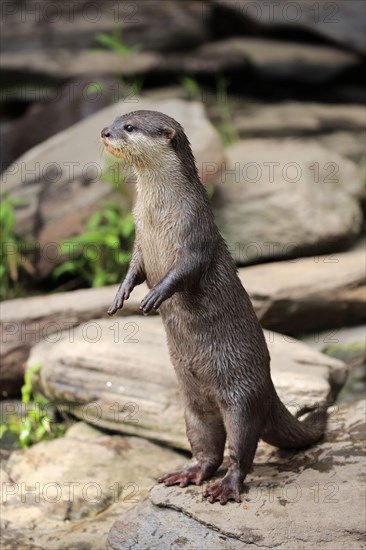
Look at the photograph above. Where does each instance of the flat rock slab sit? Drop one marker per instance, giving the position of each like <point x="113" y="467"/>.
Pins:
<point x="309" y="294"/>
<point x="310" y="499"/>
<point x="117" y="374"/>
<point x="277" y="59"/>
<point x="295" y="118"/>
<point x="163" y="528"/>
<point x="26" y="321"/>
<point x="81" y="483"/>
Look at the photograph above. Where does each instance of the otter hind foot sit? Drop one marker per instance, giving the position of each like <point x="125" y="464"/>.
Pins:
<point x="195" y="475"/>
<point x="223" y="490"/>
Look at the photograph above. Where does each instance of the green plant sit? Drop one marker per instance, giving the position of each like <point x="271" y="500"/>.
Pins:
<point x="114" y="42"/>
<point x="192" y="87"/>
<point x="14" y="252"/>
<point x="33" y="424"/>
<point x="225" y="127"/>
<point x="100" y="254"/>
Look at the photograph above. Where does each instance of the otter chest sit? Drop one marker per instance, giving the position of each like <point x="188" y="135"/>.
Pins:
<point x="158" y="245"/>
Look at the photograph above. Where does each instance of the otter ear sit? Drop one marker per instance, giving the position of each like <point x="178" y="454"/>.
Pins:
<point x="169" y="133"/>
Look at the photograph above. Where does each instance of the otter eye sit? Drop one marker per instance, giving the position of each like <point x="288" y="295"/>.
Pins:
<point x="129" y="128"/>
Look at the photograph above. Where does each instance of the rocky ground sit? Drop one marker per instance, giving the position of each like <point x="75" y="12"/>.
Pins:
<point x="272" y="102"/>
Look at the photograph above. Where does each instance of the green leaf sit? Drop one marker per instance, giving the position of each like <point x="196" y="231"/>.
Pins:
<point x="112" y="43"/>
<point x="67" y="267"/>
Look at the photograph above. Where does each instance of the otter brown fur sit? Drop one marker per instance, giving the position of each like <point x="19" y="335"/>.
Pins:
<point x="215" y="341"/>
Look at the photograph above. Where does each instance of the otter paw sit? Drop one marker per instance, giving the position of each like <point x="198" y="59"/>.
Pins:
<point x="122" y="295"/>
<point x="223" y="490"/>
<point x="191" y="475"/>
<point x="116" y="305"/>
<point x="152" y="300"/>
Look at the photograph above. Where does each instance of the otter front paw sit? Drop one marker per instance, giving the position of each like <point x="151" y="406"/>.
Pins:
<point x="122" y="295"/>
<point x="223" y="490"/>
<point x="153" y="299"/>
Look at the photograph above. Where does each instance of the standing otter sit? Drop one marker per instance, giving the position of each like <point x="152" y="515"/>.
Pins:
<point x="215" y="341"/>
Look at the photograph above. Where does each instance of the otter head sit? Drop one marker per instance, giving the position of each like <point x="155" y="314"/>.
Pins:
<point x="141" y="137"/>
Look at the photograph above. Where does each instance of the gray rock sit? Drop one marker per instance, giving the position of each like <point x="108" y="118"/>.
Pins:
<point x="278" y="199"/>
<point x="309" y="499"/>
<point x="349" y="345"/>
<point x="276" y="59"/>
<point x="148" y="527"/>
<point x="26" y="321"/>
<point x="154" y="25"/>
<point x="80" y="486"/>
<point x="76" y="100"/>
<point x="341" y="22"/>
<point x="347" y="144"/>
<point x="116" y="373"/>
<point x="71" y="64"/>
<point x="342" y="337"/>
<point x="309" y="294"/>
<point x="254" y="119"/>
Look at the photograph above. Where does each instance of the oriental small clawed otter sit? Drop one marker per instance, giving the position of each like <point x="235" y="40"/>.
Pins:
<point x="215" y="341"/>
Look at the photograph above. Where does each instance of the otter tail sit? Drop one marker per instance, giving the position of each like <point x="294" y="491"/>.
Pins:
<point x="283" y="430"/>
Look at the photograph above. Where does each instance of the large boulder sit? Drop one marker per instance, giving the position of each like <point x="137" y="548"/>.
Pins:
<point x="116" y="373"/>
<point x="286" y="198"/>
<point x="309" y="499"/>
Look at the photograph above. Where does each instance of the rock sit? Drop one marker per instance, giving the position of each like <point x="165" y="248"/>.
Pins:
<point x="295" y="119"/>
<point x="116" y="373"/>
<point x="340" y="22"/>
<point x="347" y="344"/>
<point x="309" y="294"/>
<point x="66" y="63"/>
<point x="280" y="199"/>
<point x="61" y="178"/>
<point x="274" y="59"/>
<point x="309" y="499"/>
<point x="342" y="336"/>
<point x="83" y="431"/>
<point x="337" y="127"/>
<point x="25" y="321"/>
<point x="75" y="101"/>
<point x="347" y="144"/>
<point x="161" y="528"/>
<point x="71" y="490"/>
<point x="153" y="25"/>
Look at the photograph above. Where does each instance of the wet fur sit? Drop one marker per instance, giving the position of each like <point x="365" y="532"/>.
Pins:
<point x="215" y="341"/>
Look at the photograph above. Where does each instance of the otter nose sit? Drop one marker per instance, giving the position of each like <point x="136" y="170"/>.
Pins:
<point x="105" y="133"/>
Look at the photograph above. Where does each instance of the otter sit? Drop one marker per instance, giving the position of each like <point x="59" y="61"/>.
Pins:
<point x="215" y="341"/>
